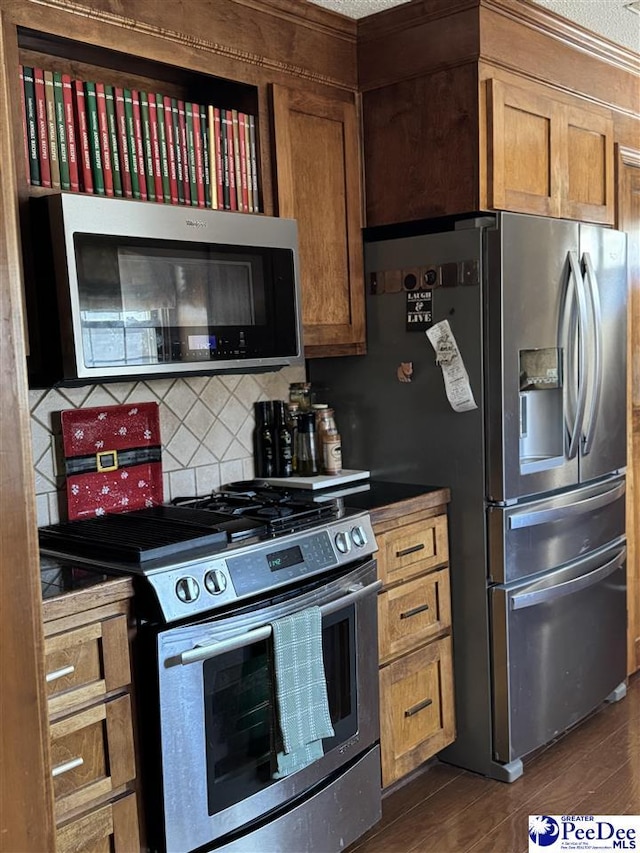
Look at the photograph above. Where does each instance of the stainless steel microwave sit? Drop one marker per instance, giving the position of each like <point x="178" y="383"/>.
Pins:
<point x="128" y="288"/>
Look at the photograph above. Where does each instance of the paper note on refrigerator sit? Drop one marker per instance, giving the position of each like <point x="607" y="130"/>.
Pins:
<point x="456" y="378"/>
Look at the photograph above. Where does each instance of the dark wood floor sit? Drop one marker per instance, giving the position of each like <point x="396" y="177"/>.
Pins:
<point x="593" y="769"/>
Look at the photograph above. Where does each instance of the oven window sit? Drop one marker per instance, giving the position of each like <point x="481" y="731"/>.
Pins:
<point x="240" y="716"/>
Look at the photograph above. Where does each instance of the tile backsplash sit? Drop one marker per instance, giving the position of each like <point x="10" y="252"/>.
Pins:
<point x="206" y="426"/>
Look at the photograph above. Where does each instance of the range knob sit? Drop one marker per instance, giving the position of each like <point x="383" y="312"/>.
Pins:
<point x="358" y="536"/>
<point x="343" y="542"/>
<point x="215" y="581"/>
<point x="187" y="589"/>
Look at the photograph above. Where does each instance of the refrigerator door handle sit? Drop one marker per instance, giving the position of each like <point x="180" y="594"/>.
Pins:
<point x="560" y="513"/>
<point x="596" y="348"/>
<point x="551" y="593"/>
<point x="575" y="289"/>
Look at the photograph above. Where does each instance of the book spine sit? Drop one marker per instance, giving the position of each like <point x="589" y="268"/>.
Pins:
<point x="247" y="145"/>
<point x="31" y="128"/>
<point x="139" y="143"/>
<point x="184" y="152"/>
<point x="61" y="131"/>
<point x="177" y="147"/>
<point x="164" y="151"/>
<point x="131" y="142"/>
<point x="206" y="160"/>
<point x="52" y="130"/>
<point x="155" y="147"/>
<point x="233" y="198"/>
<point x="219" y="174"/>
<point x="213" y="183"/>
<point x="171" y="148"/>
<point x="254" y="163"/>
<point x="43" y="133"/>
<point x="103" y="130"/>
<point x="84" y="148"/>
<point x="198" y="165"/>
<point x="123" y="141"/>
<point x="112" y="126"/>
<point x="224" y="145"/>
<point x="147" y="146"/>
<point x="94" y="137"/>
<point x="236" y="158"/>
<point x="243" y="162"/>
<point x="70" y="133"/>
<point x="23" y="107"/>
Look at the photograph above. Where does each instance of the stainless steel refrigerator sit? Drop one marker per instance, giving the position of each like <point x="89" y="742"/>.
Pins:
<point x="518" y="405"/>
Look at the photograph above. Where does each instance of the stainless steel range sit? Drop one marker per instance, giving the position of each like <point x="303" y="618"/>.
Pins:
<point x="212" y="575"/>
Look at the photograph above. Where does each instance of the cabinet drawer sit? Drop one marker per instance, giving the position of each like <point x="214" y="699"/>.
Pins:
<point x="86" y="663"/>
<point x="413" y="612"/>
<point x="92" y="754"/>
<point x="411" y="549"/>
<point x="416" y="708"/>
<point x="112" y="828"/>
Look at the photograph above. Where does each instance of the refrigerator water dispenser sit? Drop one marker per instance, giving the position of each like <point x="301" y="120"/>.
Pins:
<point x="541" y="412"/>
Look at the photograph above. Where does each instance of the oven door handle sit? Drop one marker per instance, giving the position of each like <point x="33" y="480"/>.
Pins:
<point x="212" y="650"/>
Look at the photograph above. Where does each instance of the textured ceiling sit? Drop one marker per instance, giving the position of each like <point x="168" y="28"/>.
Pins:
<point x="610" y="18"/>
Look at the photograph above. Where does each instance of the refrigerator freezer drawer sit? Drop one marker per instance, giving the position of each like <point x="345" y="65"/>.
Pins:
<point x="537" y="536"/>
<point x="559" y="649"/>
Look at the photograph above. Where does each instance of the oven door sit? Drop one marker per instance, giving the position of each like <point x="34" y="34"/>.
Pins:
<point x="218" y="718"/>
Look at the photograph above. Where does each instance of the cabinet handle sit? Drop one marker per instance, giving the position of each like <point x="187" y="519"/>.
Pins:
<point x="67" y="766"/>
<point x="419" y="707"/>
<point x="414" y="612"/>
<point x="406" y="551"/>
<point x="59" y="673"/>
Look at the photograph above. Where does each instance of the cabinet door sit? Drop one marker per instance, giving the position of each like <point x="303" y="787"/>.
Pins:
<point x="113" y="828"/>
<point x="524" y="150"/>
<point x="416" y="709"/>
<point x="412" y="612"/>
<point x="318" y="183"/>
<point x="92" y="754"/>
<point x="412" y="549"/>
<point x="588" y="194"/>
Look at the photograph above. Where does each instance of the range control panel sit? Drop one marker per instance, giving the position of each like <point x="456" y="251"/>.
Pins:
<point x="194" y="587"/>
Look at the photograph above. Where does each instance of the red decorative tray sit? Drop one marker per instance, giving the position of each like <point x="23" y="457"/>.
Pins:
<point x="113" y="459"/>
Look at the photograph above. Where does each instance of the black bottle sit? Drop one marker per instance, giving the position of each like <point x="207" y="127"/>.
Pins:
<point x="264" y="443"/>
<point x="283" y="439"/>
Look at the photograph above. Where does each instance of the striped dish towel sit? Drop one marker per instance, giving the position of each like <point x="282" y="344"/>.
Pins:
<point x="301" y="690"/>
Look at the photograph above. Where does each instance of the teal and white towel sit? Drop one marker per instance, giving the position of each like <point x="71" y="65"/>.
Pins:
<point x="301" y="689"/>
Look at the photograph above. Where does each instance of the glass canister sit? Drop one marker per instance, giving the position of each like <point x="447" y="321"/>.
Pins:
<point x="300" y="393"/>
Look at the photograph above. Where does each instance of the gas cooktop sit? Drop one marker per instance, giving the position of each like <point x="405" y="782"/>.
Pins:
<point x="201" y="553"/>
<point x="238" y="512"/>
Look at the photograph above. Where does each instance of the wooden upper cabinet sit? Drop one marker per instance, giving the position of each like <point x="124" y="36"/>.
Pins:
<point x="318" y="184"/>
<point x="546" y="156"/>
<point x="523" y="150"/>
<point x="589" y="189"/>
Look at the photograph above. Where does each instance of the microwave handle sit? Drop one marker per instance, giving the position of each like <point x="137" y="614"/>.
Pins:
<point x="212" y="650"/>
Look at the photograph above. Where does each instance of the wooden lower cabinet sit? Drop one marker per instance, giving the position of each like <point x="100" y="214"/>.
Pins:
<point x="417" y="716"/>
<point x="93" y="756"/>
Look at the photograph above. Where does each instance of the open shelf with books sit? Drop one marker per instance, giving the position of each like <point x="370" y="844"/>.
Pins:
<point x="98" y="121"/>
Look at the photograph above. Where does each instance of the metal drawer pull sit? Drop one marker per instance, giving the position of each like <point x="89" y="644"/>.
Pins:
<point x="419" y="707"/>
<point x="406" y="551"/>
<point x="199" y="653"/>
<point x="414" y="612"/>
<point x="59" y="673"/>
<point x="67" y="766"/>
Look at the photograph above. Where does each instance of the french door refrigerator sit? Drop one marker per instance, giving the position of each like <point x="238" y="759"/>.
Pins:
<point x="515" y="400"/>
